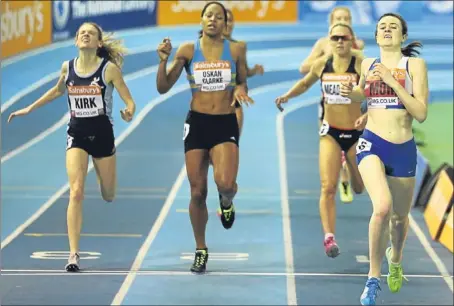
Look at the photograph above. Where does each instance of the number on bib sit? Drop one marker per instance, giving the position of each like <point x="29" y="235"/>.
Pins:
<point x="324" y="128"/>
<point x="69" y="141"/>
<point x="363" y="145"/>
<point x="185" y="130"/>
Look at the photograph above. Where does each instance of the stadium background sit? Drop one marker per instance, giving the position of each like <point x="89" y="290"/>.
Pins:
<point x="33" y="32"/>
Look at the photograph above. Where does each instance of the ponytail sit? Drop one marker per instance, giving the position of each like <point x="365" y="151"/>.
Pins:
<point x="112" y="50"/>
<point x="200" y="33"/>
<point x="410" y="49"/>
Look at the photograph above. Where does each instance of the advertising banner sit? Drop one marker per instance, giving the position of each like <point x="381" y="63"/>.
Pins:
<point x="368" y="12"/>
<point x="188" y="12"/>
<point x="439" y="205"/>
<point x="110" y="15"/>
<point x="25" y="25"/>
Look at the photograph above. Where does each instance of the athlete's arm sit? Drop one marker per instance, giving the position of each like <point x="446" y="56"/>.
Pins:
<point x="250" y="72"/>
<point x="309" y="79"/>
<point x="53" y="93"/>
<point x="361" y="122"/>
<point x="240" y="93"/>
<point x="356" y="94"/>
<point x="316" y="52"/>
<point x="241" y="66"/>
<point x="166" y="78"/>
<point x="114" y="75"/>
<point x="416" y="105"/>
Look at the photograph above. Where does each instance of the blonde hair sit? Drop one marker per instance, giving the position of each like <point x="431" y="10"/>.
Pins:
<point x="339" y="8"/>
<point x="345" y="26"/>
<point x="112" y="49"/>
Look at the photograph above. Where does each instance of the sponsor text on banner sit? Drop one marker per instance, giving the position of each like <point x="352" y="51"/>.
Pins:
<point x="25" y="25"/>
<point x="188" y="12"/>
<point x="110" y="15"/>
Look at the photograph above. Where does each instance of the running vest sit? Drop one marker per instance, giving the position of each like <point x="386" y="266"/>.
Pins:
<point x="89" y="96"/>
<point x="380" y="95"/>
<point x="331" y="82"/>
<point x="209" y="76"/>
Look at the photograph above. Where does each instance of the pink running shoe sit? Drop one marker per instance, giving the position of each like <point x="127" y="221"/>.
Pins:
<point x="331" y="248"/>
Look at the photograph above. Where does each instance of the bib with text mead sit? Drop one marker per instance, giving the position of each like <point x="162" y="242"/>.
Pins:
<point x="86" y="101"/>
<point x="212" y="76"/>
<point x="331" y="83"/>
<point x="379" y="94"/>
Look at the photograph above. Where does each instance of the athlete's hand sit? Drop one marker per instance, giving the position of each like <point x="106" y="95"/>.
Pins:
<point x="164" y="49"/>
<point x="384" y="74"/>
<point x="360" y="123"/>
<point x="240" y="96"/>
<point x="21" y="112"/>
<point x="126" y="114"/>
<point x="280" y="100"/>
<point x="259" y="69"/>
<point x="346" y="89"/>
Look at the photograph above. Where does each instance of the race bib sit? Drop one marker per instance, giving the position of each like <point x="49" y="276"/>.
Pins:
<point x="382" y="102"/>
<point x="69" y="141"/>
<point x="331" y="83"/>
<point x="185" y="130"/>
<point x="334" y="99"/>
<point x="212" y="76"/>
<point x="324" y="128"/>
<point x="379" y="94"/>
<point x="85" y="101"/>
<point x="331" y="93"/>
<point x="363" y="145"/>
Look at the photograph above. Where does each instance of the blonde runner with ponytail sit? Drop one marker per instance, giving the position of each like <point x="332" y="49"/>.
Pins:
<point x="89" y="80"/>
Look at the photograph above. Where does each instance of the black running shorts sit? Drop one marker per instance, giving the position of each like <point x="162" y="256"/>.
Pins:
<point x="204" y="131"/>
